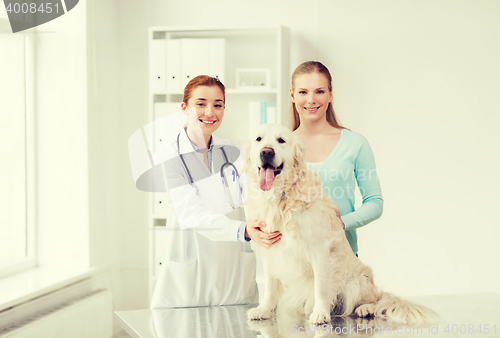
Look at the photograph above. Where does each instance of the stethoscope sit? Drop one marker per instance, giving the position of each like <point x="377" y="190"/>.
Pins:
<point x="225" y="182"/>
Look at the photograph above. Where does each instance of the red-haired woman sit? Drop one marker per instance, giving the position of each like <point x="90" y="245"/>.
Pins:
<point x="208" y="261"/>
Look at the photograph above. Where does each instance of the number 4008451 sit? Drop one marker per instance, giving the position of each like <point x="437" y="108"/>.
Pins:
<point x="33" y="8"/>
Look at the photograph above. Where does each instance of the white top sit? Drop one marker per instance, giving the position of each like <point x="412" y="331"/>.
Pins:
<point x="315" y="165"/>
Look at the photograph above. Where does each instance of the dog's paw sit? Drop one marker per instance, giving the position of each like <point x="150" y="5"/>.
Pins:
<point x="365" y="310"/>
<point x="318" y="318"/>
<point x="259" y="313"/>
<point x="260" y="325"/>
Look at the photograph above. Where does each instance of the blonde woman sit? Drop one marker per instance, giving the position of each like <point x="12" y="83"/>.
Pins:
<point x="340" y="156"/>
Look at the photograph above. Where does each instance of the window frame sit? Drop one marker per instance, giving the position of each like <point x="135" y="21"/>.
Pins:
<point x="30" y="260"/>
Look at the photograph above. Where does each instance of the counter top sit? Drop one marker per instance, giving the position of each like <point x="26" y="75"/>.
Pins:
<point x="466" y="315"/>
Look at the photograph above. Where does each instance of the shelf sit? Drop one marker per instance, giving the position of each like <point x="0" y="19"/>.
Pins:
<point x="252" y="91"/>
<point x="211" y="29"/>
<point x="245" y="47"/>
<point x="201" y="32"/>
<point x="229" y="91"/>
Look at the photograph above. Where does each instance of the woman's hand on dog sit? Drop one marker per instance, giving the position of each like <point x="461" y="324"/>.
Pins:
<point x="341" y="221"/>
<point x="263" y="239"/>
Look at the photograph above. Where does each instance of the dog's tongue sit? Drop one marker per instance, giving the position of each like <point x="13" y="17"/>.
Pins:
<point x="266" y="178"/>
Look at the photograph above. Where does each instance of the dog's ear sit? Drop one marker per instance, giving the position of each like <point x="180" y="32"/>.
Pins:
<point x="245" y="153"/>
<point x="298" y="151"/>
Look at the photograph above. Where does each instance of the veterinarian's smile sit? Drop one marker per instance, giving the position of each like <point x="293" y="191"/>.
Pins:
<point x="208" y="122"/>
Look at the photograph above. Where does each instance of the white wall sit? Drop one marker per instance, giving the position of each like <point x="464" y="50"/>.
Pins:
<point x="117" y="211"/>
<point x="62" y="141"/>
<point x="103" y="121"/>
<point x="418" y="80"/>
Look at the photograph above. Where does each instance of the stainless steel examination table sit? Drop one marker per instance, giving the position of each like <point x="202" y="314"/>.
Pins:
<point x="468" y="315"/>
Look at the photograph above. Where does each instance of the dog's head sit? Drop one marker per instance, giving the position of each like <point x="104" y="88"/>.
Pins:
<point x="274" y="154"/>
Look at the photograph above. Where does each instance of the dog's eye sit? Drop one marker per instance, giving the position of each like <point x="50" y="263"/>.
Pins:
<point x="280" y="140"/>
<point x="258" y="139"/>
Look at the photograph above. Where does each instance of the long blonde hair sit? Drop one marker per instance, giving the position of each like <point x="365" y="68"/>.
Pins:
<point x="309" y="67"/>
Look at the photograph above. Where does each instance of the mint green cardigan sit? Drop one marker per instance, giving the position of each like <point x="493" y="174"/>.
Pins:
<point x="352" y="161"/>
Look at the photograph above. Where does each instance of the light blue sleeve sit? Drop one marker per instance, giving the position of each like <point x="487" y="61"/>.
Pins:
<point x="369" y="186"/>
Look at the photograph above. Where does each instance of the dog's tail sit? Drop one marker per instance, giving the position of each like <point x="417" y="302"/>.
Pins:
<point x="403" y="311"/>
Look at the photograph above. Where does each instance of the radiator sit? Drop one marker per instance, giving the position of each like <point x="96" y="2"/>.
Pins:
<point x="72" y="312"/>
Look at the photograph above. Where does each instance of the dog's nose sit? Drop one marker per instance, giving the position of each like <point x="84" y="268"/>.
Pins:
<point x="267" y="154"/>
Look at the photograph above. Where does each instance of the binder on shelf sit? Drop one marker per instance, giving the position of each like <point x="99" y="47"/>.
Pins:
<point x="216" y="57"/>
<point x="173" y="64"/>
<point x="157" y="79"/>
<point x="159" y="203"/>
<point x="159" y="240"/>
<point x="194" y="60"/>
<point x="263" y="112"/>
<point x="254" y="112"/>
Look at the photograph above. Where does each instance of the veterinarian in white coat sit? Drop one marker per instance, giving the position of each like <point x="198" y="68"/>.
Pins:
<point x="207" y="258"/>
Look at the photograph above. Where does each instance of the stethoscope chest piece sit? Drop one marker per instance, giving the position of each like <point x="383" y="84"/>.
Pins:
<point x="231" y="185"/>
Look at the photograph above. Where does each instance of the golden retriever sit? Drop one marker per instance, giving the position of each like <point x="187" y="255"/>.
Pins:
<point x="312" y="269"/>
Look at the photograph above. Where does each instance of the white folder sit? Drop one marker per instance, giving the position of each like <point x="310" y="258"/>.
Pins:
<point x="173" y="64"/>
<point x="157" y="79"/>
<point x="159" y="111"/>
<point x="194" y="59"/>
<point x="216" y="56"/>
<point x="160" y="238"/>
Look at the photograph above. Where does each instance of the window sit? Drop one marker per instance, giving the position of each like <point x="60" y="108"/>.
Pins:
<point x="16" y="154"/>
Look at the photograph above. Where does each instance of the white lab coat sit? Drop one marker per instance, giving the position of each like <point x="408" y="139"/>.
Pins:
<point x="204" y="263"/>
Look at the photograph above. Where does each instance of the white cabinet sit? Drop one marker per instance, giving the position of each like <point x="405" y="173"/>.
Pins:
<point x="174" y="62"/>
<point x="176" y="55"/>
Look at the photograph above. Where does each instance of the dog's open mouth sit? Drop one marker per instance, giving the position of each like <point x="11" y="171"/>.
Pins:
<point x="267" y="173"/>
